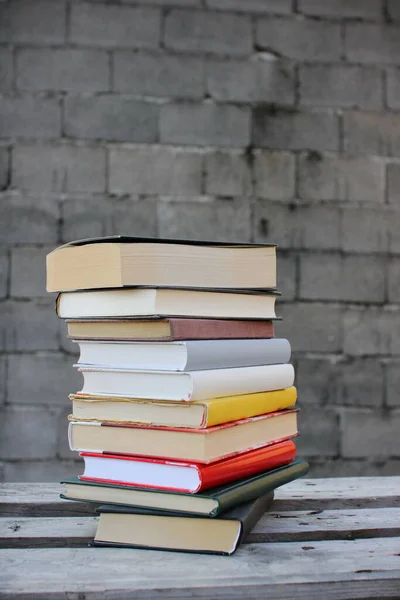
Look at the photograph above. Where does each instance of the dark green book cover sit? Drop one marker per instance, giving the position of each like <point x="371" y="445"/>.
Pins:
<point x="212" y="503"/>
<point x="179" y="533"/>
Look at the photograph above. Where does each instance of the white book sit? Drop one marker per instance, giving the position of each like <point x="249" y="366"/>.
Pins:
<point x="140" y="302"/>
<point x="185" y="385"/>
<point x="192" y="355"/>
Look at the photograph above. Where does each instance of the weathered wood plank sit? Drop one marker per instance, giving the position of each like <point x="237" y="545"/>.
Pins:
<point x="275" y="526"/>
<point x="41" y="499"/>
<point x="334" y="569"/>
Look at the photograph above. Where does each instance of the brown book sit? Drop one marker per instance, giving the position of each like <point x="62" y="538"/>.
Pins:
<point x="121" y="261"/>
<point x="169" y="329"/>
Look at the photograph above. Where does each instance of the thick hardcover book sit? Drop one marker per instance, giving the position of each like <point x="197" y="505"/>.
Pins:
<point x="194" y="355"/>
<point x="183" y="476"/>
<point x="169" y="329"/>
<point x="185" y="386"/>
<point x="210" y="503"/>
<point x="197" y="445"/>
<point x="116" y="262"/>
<point x="167" y="302"/>
<point x="139" y="528"/>
<point x="199" y="414"/>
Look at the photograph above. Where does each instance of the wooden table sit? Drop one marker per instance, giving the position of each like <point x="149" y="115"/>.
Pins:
<point x="323" y="539"/>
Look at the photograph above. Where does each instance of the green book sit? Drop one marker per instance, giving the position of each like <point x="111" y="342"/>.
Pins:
<point x="210" y="503"/>
<point x="124" y="526"/>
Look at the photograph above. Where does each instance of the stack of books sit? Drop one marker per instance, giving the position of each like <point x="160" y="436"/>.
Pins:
<point x="187" y="416"/>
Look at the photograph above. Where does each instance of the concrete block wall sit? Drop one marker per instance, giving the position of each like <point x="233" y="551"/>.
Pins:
<point x="256" y="120"/>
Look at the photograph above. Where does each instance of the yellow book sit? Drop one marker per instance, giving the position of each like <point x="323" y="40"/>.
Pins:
<point x="201" y="414"/>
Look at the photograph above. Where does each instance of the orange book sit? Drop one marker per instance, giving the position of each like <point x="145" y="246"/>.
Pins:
<point x="183" y="476"/>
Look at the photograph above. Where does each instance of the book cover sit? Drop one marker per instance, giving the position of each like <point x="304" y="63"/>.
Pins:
<point x="140" y="528"/>
<point x="210" y="503"/>
<point x="196" y="445"/>
<point x="187" y="355"/>
<point x="169" y="329"/>
<point x="197" y="414"/>
<point x="122" y="262"/>
<point x="183" y="476"/>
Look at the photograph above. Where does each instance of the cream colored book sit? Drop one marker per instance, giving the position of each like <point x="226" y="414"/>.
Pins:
<point x="119" y="261"/>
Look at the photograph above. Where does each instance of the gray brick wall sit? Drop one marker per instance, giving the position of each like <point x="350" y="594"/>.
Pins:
<point x="256" y="120"/>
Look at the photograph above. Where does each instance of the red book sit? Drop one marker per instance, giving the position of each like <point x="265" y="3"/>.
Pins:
<point x="183" y="476"/>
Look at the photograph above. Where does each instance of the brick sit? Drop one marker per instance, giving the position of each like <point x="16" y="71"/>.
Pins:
<point x="62" y="69"/>
<point x="284" y="130"/>
<point x="44" y="379"/>
<point x="317" y="380"/>
<point x="135" y="216"/>
<point x="332" y="380"/>
<point x="29" y="116"/>
<point x="262" y="80"/>
<point x="287" y="275"/>
<point x="196" y="31"/>
<point x="274" y="175"/>
<point x="311" y="327"/>
<point x="392" y="219"/>
<point x="28" y="432"/>
<point x="346" y="86"/>
<point x="366" y="230"/>
<point x="320" y="434"/>
<point x="370" y="434"/>
<point x="111" y="118"/>
<point x="155" y="170"/>
<point x="227" y="174"/>
<point x="4" y="271"/>
<point x="4" y="168"/>
<point x="324" y="177"/>
<point x="393" y="385"/>
<point x="28" y="271"/>
<point x="343" y="278"/>
<point x="6" y="70"/>
<point x="373" y="44"/>
<point x="32" y="471"/>
<point x="393" y="88"/>
<point x="3" y="379"/>
<point x="394" y="279"/>
<point x="253" y="6"/>
<point x="23" y="21"/>
<point x="372" y="133"/>
<point x="360" y="9"/>
<point x="158" y="75"/>
<point x="25" y="220"/>
<point x="393" y="183"/>
<point x="299" y="39"/>
<point x="371" y="331"/>
<point x="393" y="9"/>
<point x="28" y="326"/>
<point x="221" y="220"/>
<point x="297" y="226"/>
<point x="204" y="124"/>
<point x="115" y="26"/>
<point x="360" y="382"/>
<point x="59" y="168"/>
<point x="86" y="217"/>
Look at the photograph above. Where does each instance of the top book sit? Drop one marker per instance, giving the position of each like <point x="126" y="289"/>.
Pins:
<point x="122" y="261"/>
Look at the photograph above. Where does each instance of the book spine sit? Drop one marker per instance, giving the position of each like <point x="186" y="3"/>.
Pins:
<point x="214" y="329"/>
<point x="261" y="485"/>
<point x="234" y="408"/>
<point x="246" y="464"/>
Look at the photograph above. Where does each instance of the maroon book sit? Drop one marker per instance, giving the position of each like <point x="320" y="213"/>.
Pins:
<point x="169" y="329"/>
